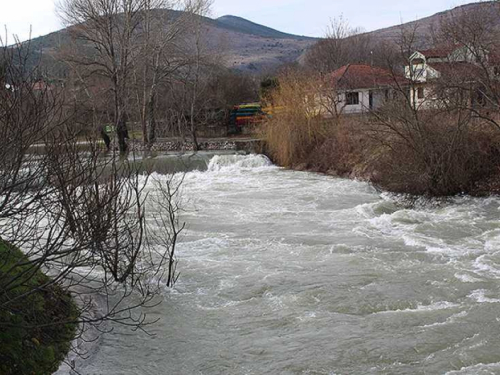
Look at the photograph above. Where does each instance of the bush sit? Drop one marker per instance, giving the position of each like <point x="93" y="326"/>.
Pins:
<point x="36" y="330"/>
<point x="345" y="151"/>
<point x="441" y="155"/>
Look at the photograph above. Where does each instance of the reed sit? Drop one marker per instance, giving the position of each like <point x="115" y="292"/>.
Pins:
<point x="295" y="128"/>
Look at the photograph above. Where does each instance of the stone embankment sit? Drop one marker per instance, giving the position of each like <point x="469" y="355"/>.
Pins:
<point x="219" y="144"/>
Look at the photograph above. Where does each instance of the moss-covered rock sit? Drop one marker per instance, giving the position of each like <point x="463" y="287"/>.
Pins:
<point x="36" y="330"/>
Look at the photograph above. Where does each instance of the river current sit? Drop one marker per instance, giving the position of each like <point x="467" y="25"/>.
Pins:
<point x="286" y="272"/>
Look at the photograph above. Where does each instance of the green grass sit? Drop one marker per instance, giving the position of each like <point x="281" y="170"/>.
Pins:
<point x="35" y="335"/>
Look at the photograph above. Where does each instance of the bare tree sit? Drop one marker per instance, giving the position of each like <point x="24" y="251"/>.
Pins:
<point x="77" y="213"/>
<point x="110" y="27"/>
<point x="195" y="78"/>
<point x="475" y="79"/>
<point x="162" y="54"/>
<point x="342" y="45"/>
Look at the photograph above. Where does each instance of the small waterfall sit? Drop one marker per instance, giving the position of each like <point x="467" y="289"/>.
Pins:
<point x="238" y="162"/>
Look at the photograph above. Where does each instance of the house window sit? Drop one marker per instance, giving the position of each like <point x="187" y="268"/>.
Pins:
<point x="352" y="98"/>
<point x="420" y="93"/>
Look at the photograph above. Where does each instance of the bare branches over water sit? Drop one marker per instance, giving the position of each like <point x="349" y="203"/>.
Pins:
<point x="79" y="215"/>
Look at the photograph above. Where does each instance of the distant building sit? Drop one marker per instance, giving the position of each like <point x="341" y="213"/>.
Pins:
<point x="426" y="67"/>
<point x="357" y="88"/>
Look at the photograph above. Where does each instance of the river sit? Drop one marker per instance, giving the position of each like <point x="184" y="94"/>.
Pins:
<point x="286" y="272"/>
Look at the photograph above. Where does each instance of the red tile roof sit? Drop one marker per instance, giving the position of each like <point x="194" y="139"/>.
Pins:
<point x="363" y="77"/>
<point x="458" y="69"/>
<point x="438" y="52"/>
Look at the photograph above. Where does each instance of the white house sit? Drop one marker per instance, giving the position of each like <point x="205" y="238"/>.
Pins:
<point x="427" y="66"/>
<point x="361" y="88"/>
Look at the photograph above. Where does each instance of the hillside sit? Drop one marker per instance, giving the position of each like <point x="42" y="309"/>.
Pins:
<point x="244" y="45"/>
<point x="425" y="26"/>
<point x="242" y="25"/>
<point x="249" y="47"/>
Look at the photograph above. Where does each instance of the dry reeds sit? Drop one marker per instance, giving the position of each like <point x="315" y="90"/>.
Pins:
<point x="295" y="127"/>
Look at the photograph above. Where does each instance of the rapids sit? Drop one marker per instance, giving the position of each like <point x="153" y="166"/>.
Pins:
<point x="286" y="272"/>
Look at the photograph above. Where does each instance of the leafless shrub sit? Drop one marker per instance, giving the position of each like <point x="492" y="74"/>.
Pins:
<point x="165" y="227"/>
<point x="434" y="153"/>
<point x="342" y="45"/>
<point x="78" y="212"/>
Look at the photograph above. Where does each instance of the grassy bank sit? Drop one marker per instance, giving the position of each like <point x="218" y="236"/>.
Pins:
<point x="35" y="333"/>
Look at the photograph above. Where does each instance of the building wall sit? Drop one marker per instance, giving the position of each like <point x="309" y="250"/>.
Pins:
<point x="429" y="98"/>
<point x="363" y="106"/>
<point x="378" y="99"/>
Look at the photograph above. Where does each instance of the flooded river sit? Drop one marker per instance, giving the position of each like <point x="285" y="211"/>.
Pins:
<point x="287" y="272"/>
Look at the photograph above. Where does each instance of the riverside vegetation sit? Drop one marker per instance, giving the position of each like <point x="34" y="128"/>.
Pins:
<point x="423" y="155"/>
<point x="31" y="341"/>
<point x="80" y="217"/>
<point x="445" y="146"/>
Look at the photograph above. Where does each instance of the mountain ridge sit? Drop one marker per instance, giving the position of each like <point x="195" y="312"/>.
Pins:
<point x="426" y="24"/>
<point x="245" y="25"/>
<point x="254" y="48"/>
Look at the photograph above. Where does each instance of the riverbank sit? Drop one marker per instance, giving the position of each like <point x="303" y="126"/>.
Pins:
<point x="444" y="163"/>
<point x="482" y="188"/>
<point x="486" y="186"/>
<point x="249" y="144"/>
<point x="37" y="329"/>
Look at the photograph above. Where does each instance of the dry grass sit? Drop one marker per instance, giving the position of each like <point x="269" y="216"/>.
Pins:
<point x="295" y="129"/>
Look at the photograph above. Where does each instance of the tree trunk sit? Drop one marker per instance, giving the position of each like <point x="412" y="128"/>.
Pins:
<point x="105" y="137"/>
<point x="152" y="121"/>
<point x="196" y="146"/>
<point x="122" y="133"/>
<point x="145" y="138"/>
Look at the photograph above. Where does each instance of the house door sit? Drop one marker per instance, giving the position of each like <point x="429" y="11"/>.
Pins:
<point x="370" y="99"/>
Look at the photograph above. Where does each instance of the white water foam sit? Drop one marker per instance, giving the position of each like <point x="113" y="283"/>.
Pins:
<point x="466" y="278"/>
<point x="442" y="305"/>
<point x="238" y="162"/>
<point x="485" y="266"/>
<point x="480" y="296"/>
<point x="479" y="369"/>
<point x="450" y="320"/>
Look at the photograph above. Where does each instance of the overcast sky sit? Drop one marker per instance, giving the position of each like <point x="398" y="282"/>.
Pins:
<point x="303" y="17"/>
